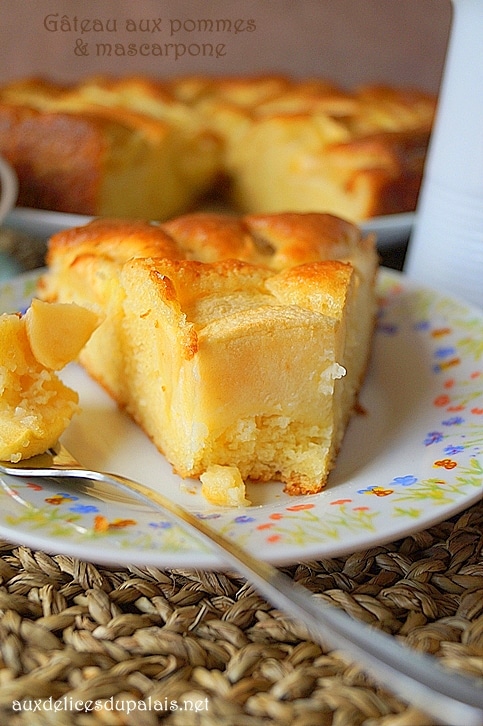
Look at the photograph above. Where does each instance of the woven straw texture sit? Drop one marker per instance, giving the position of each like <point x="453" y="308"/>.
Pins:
<point x="136" y="644"/>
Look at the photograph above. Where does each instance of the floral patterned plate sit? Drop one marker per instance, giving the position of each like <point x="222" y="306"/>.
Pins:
<point x="411" y="459"/>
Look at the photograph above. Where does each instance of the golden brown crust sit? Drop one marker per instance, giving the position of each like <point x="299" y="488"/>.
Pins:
<point x="238" y="90"/>
<point x="299" y="238"/>
<point x="30" y="140"/>
<point x="103" y="237"/>
<point x="389" y="163"/>
<point x="208" y="236"/>
<point x="272" y="240"/>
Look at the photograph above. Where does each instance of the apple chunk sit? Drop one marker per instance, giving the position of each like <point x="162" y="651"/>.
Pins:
<point x="57" y="332"/>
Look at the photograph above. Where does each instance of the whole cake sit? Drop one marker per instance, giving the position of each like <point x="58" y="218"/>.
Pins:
<point x="152" y="149"/>
<point x="238" y="344"/>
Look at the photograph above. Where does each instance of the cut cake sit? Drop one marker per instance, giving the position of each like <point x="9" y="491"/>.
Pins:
<point x="233" y="342"/>
<point x="154" y="148"/>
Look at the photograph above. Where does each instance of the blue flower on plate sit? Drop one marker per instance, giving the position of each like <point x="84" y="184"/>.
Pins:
<point x="444" y="352"/>
<point x="404" y="481"/>
<point x="244" y="519"/>
<point x="422" y="325"/>
<point x="434" y="437"/>
<point x="388" y="328"/>
<point x="161" y="525"/>
<point x="367" y="490"/>
<point x="452" y="450"/>
<point x="453" y="421"/>
<point x="84" y="508"/>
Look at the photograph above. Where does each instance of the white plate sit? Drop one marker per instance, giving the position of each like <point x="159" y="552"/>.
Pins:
<point x="412" y="459"/>
<point x="8" y="188"/>
<point x="389" y="229"/>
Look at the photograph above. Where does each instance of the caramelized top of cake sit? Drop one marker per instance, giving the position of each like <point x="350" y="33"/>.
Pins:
<point x="274" y="241"/>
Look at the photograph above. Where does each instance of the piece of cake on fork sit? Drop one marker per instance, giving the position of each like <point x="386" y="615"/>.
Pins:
<point x="35" y="405"/>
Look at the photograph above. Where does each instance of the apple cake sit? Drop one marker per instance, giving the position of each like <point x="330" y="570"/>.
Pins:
<point x="238" y="344"/>
<point x="152" y="149"/>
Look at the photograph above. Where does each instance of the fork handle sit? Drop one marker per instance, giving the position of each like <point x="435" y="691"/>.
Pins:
<point x="416" y="678"/>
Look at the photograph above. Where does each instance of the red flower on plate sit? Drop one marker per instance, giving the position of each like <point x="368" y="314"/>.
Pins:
<point x="381" y="492"/>
<point x="102" y="524"/>
<point x="440" y="332"/>
<point x="299" y="507"/>
<point x="446" y="463"/>
<point x="274" y="538"/>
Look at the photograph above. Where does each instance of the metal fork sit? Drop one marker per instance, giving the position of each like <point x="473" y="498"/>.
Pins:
<point x="417" y="678"/>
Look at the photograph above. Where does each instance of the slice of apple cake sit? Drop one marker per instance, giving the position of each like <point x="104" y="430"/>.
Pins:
<point x="233" y="342"/>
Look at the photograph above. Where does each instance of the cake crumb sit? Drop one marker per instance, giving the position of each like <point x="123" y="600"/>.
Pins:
<point x="224" y="486"/>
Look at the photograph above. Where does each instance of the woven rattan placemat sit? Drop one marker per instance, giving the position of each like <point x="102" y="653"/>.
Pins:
<point x="86" y="645"/>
